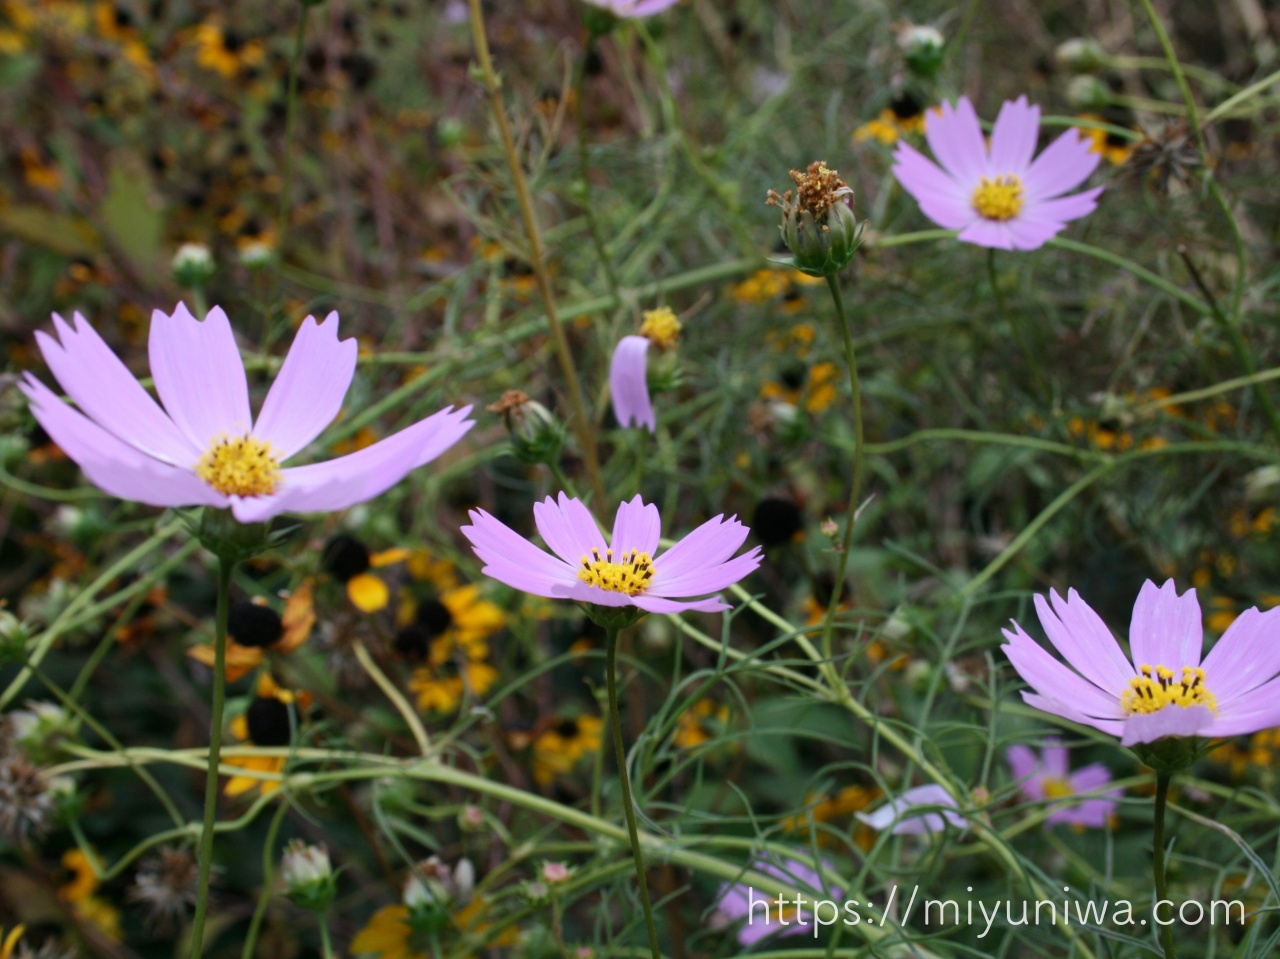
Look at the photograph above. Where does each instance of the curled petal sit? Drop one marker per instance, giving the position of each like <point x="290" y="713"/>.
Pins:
<point x="628" y="383"/>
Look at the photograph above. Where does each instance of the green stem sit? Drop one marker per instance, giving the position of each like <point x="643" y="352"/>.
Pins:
<point x="325" y="943"/>
<point x="1141" y="272"/>
<point x="537" y="256"/>
<point x="205" y="855"/>
<point x="628" y="804"/>
<point x="268" y="883"/>
<point x="1157" y="859"/>
<point x="855" y="492"/>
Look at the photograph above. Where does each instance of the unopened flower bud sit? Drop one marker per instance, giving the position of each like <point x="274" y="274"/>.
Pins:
<point x="471" y="818"/>
<point x="923" y="48"/>
<point x="41" y="730"/>
<point x="1087" y="92"/>
<point x="308" y="876"/>
<point x="193" y="265"/>
<point x="15" y="637"/>
<point x="1080" y="55"/>
<point x="555" y="873"/>
<point x="256" y="254"/>
<point x="536" y="435"/>
<point x="818" y="225"/>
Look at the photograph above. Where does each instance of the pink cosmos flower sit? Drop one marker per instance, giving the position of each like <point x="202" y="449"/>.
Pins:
<point x="994" y="194"/>
<point x="633" y="9"/>
<point x="762" y="912"/>
<point x="1047" y="777"/>
<point x="900" y="812"/>
<point x="625" y="573"/>
<point x="628" y="383"/>
<point x="204" y="448"/>
<point x="1166" y="690"/>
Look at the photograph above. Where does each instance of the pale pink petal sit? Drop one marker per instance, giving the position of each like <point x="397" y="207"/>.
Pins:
<point x="1066" y="710"/>
<point x="988" y="233"/>
<point x="307" y="393"/>
<point x="1084" y="641"/>
<point x="1091" y="777"/>
<point x="636" y="526"/>
<point x="568" y="528"/>
<point x="356" y="477"/>
<point x="699" y="581"/>
<point x="199" y="375"/>
<point x="902" y="812"/>
<point x="1024" y="765"/>
<point x="1063" y="165"/>
<point x="628" y="383"/>
<point x="1053" y="758"/>
<point x="111" y="464"/>
<point x="1247" y="655"/>
<point x="1056" y="682"/>
<point x="1056" y="213"/>
<point x="1013" y="137"/>
<point x="1257" y="710"/>
<point x="709" y="545"/>
<point x="1170" y="721"/>
<point x="92" y="375"/>
<point x="955" y="137"/>
<point x="943" y="200"/>
<point x="581" y="592"/>
<point x="659" y="604"/>
<point x="634" y="9"/>
<point x="512" y="559"/>
<point x="1028" y="234"/>
<point x="1166" y="629"/>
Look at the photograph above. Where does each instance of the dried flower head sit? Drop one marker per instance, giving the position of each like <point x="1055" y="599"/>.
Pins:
<point x="1169" y="152"/>
<point x="165" y="886"/>
<point x="26" y="800"/>
<point x="818" y="225"/>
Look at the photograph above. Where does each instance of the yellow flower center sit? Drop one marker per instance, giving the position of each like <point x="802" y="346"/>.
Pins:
<point x="661" y="327"/>
<point x="998" y="199"/>
<point x="1156" y="687"/>
<point x="630" y="576"/>
<point x="240" y="466"/>
<point x="1056" y="788"/>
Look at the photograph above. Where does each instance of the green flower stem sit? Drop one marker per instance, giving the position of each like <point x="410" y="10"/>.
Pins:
<point x="205" y="854"/>
<point x="537" y="257"/>
<point x="402" y="705"/>
<point x="1141" y="272"/>
<point x="628" y="803"/>
<point x="268" y="883"/>
<point x="325" y="944"/>
<point x="1248" y="93"/>
<point x="1157" y="858"/>
<point x="855" y="491"/>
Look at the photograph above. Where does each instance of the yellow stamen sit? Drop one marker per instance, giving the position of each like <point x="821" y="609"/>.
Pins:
<point x="1055" y="788"/>
<point x="661" y="327"/>
<point x="1156" y="687"/>
<point x="631" y="576"/>
<point x="240" y="466"/>
<point x="998" y="199"/>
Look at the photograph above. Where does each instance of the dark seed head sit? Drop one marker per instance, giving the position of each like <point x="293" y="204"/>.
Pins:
<point x="344" y="556"/>
<point x="252" y="625"/>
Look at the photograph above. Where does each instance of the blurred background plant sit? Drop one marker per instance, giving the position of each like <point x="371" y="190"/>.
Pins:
<point x="1080" y="415"/>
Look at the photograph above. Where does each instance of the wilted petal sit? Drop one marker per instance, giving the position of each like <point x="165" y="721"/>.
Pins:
<point x="902" y="813"/>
